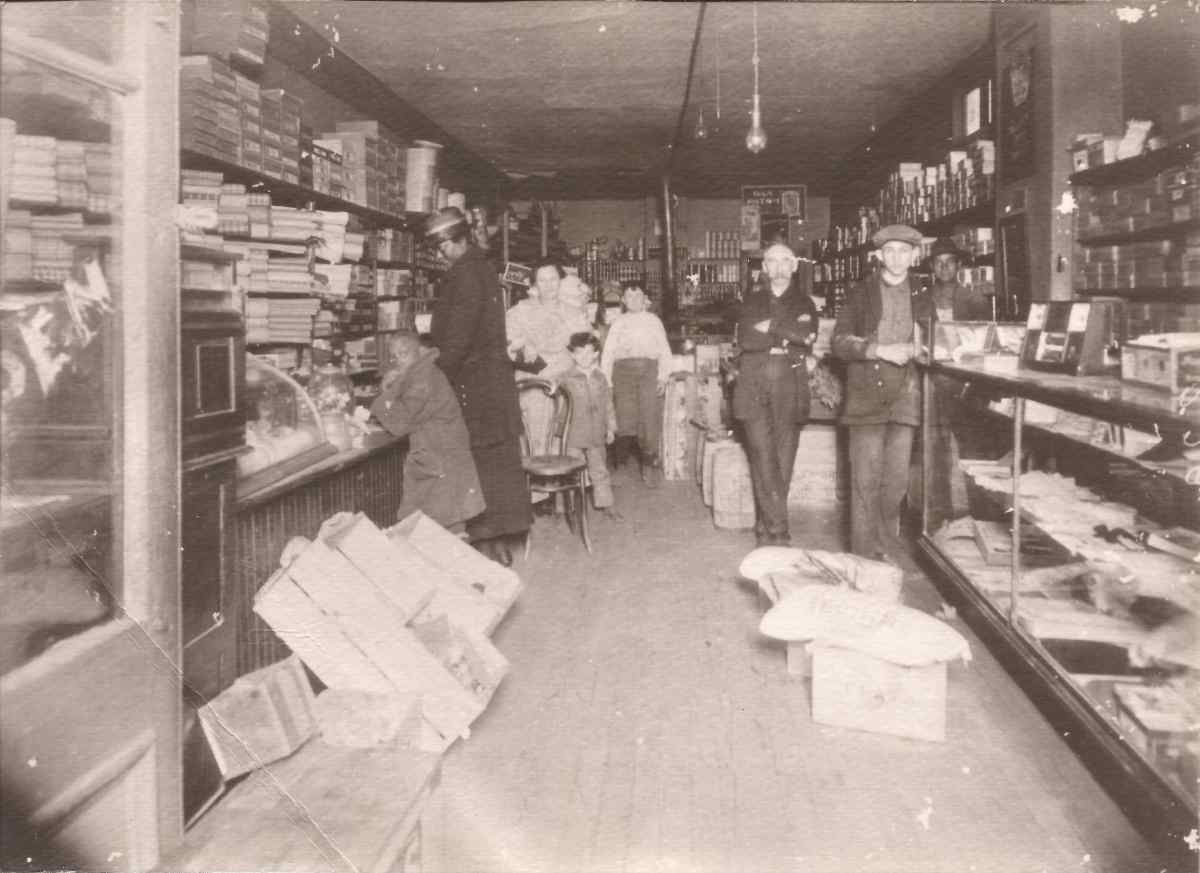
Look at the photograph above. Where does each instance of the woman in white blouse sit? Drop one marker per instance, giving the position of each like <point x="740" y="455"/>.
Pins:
<point x="637" y="362"/>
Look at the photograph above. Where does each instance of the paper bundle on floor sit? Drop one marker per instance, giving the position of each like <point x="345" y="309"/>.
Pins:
<point x="498" y="584"/>
<point x="406" y="576"/>
<point x="264" y="716"/>
<point x="345" y="615"/>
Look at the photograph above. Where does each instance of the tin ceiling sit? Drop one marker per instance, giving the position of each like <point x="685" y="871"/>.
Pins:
<point x="588" y="93"/>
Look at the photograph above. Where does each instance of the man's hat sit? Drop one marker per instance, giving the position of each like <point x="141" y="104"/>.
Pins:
<point x="945" y="246"/>
<point x="444" y="224"/>
<point x="896" y="233"/>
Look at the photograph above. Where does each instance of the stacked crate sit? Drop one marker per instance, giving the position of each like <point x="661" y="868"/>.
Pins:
<point x="250" y="107"/>
<point x="210" y="108"/>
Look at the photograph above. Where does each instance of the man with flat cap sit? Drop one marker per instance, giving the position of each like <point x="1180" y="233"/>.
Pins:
<point x="776" y="325"/>
<point x="875" y="334"/>
<point x="954" y="301"/>
<point x="468" y="330"/>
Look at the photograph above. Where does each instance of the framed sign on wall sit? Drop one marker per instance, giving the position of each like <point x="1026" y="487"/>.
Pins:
<point x="779" y="207"/>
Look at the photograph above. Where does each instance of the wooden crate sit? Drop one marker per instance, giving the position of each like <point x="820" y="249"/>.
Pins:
<point x="378" y="628"/>
<point x="853" y="690"/>
<point x="377" y="558"/>
<point x="499" y="585"/>
<point x="467" y="655"/>
<point x="317" y="638"/>
<point x="361" y="720"/>
<point x="263" y="717"/>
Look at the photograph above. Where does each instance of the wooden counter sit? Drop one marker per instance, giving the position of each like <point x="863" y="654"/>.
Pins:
<point x="324" y="808"/>
<point x="367" y="480"/>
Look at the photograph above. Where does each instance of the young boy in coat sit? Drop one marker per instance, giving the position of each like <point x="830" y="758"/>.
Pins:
<point x="593" y="417"/>
<point x="417" y="401"/>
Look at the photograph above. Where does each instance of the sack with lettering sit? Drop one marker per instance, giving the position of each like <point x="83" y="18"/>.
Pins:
<point x="779" y="569"/>
<point x="867" y="624"/>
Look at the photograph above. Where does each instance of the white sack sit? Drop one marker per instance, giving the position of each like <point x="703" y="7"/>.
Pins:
<point x="867" y="624"/>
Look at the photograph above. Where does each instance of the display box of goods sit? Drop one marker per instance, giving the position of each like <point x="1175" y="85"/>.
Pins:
<point x="850" y="689"/>
<point x="1168" y="361"/>
<point x="263" y="717"/>
<point x="1159" y="721"/>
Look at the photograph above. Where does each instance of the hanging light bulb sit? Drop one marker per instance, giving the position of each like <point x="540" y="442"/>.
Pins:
<point x="701" y="128"/>
<point x="717" y="54"/>
<point x="756" y="138"/>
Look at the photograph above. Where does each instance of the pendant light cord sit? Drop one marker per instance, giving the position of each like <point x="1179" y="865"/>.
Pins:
<point x="755" y="7"/>
<point x="687" y="88"/>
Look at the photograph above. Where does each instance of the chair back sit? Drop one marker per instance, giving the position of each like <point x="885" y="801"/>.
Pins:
<point x="546" y="421"/>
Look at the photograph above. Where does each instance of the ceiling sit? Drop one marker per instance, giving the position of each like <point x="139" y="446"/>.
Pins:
<point x="590" y="92"/>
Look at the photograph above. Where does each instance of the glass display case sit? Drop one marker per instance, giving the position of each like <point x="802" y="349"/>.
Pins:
<point x="284" y="429"/>
<point x="1077" y="559"/>
<point x="59" y="290"/>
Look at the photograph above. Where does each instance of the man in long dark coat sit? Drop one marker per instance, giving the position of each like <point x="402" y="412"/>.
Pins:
<point x="468" y="330"/>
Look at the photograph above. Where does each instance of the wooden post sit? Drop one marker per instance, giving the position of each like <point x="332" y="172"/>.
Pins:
<point x="545" y="231"/>
<point x="670" y="300"/>
<point x="504" y="232"/>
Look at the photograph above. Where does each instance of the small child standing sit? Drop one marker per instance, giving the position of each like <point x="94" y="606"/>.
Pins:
<point x="593" y="418"/>
<point x="637" y="363"/>
<point x="417" y="401"/>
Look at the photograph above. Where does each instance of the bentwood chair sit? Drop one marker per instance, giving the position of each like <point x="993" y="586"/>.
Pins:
<point x="552" y="471"/>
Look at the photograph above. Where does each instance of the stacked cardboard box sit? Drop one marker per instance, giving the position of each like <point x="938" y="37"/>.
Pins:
<point x="239" y="32"/>
<point x="31" y="177"/>
<point x="281" y="112"/>
<point x="53" y="256"/>
<point x="915" y="193"/>
<point x="272" y="124"/>
<point x="97" y="158"/>
<point x="233" y="210"/>
<point x="327" y="167"/>
<point x="1152" y="264"/>
<point x="210" y="108"/>
<point x="17" y="263"/>
<point x="389" y="244"/>
<point x="250" y="113"/>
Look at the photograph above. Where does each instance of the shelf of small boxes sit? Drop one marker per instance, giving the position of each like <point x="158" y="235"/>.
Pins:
<point x="229" y="118"/>
<point x="1139" y="228"/>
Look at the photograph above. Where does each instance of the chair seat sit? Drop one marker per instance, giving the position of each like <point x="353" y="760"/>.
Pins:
<point x="552" y="465"/>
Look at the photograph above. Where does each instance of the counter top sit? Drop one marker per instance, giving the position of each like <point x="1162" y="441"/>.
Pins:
<point x="373" y="443"/>
<point x="1103" y="397"/>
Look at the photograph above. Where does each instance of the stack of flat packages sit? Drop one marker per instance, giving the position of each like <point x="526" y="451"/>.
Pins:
<point x="875" y="665"/>
<point x="53" y="256"/>
<point x="400" y="616"/>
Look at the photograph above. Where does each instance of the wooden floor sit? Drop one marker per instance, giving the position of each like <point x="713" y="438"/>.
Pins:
<point x="645" y="726"/>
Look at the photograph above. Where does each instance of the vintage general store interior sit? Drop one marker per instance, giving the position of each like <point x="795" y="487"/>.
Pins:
<point x="213" y="216"/>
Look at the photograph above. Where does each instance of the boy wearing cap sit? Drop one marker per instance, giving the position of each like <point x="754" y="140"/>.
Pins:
<point x="875" y="335"/>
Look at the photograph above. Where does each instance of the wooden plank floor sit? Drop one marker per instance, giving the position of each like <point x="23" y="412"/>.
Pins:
<point x="645" y="726"/>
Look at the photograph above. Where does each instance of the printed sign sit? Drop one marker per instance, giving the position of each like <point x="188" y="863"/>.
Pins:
<point x="517" y="274"/>
<point x="751" y="228"/>
<point x="789" y="200"/>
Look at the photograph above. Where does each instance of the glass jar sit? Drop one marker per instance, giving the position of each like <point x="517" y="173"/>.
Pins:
<point x="333" y="395"/>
